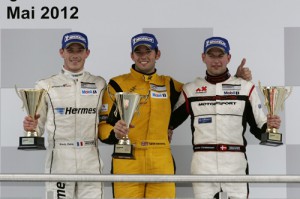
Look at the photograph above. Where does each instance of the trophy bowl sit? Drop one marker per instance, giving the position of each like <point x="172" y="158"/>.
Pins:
<point x="32" y="101"/>
<point x="274" y="97"/>
<point x="127" y="104"/>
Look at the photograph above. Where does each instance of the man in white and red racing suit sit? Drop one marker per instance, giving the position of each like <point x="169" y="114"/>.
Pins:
<point x="220" y="106"/>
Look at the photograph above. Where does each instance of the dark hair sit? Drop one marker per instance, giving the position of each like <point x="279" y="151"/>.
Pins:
<point x="155" y="49"/>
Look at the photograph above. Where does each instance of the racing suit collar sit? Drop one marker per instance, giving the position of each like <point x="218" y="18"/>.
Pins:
<point x="217" y="79"/>
<point x="145" y="77"/>
<point x="72" y="75"/>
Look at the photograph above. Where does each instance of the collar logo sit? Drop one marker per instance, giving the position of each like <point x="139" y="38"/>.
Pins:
<point x="132" y="89"/>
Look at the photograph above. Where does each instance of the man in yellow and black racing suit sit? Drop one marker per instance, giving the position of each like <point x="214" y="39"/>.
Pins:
<point x="152" y="152"/>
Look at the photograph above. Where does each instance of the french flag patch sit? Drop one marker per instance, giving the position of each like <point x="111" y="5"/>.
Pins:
<point x="80" y="143"/>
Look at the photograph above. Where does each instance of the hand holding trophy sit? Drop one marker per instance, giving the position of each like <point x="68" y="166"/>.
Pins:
<point x="32" y="99"/>
<point x="274" y="101"/>
<point x="127" y="103"/>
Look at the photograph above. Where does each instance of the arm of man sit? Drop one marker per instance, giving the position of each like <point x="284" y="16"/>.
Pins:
<point x="256" y="118"/>
<point x="180" y="112"/>
<point x="108" y="118"/>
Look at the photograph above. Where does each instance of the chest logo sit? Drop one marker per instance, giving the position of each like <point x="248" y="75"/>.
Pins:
<point x="159" y="95"/>
<point x="89" y="91"/>
<point x="202" y="89"/>
<point x="204" y="120"/>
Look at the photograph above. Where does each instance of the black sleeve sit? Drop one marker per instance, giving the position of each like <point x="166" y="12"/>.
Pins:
<point x="174" y="94"/>
<point x="180" y="113"/>
<point x="256" y="131"/>
<point x="113" y="118"/>
<point x="178" y="116"/>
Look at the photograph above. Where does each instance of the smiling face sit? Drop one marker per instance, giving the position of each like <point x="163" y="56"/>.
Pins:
<point x="144" y="59"/>
<point x="74" y="57"/>
<point x="216" y="61"/>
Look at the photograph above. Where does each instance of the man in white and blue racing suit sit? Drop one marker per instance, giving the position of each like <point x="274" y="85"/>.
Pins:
<point x="69" y="115"/>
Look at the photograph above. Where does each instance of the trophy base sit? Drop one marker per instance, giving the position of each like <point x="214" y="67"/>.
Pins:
<point x="271" y="139"/>
<point x="31" y="143"/>
<point x="123" y="151"/>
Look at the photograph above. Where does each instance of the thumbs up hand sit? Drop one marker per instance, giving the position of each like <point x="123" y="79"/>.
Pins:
<point x="244" y="72"/>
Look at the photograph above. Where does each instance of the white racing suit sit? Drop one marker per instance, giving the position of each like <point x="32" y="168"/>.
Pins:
<point x="70" y="115"/>
<point x="219" y="116"/>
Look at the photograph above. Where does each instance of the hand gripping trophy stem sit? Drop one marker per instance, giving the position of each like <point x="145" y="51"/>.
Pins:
<point x="32" y="102"/>
<point x="127" y="103"/>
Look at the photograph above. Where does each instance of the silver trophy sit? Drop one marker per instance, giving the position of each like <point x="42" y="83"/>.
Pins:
<point x="32" y="101"/>
<point x="274" y="101"/>
<point x="127" y="104"/>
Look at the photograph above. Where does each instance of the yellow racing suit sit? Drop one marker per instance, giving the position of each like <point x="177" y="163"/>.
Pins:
<point x="149" y="136"/>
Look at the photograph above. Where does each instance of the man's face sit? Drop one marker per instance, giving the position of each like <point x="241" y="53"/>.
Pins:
<point x="74" y="57"/>
<point x="144" y="59"/>
<point x="216" y="61"/>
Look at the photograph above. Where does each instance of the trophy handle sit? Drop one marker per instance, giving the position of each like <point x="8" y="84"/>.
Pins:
<point x="145" y="97"/>
<point x="289" y="93"/>
<point x="265" y="98"/>
<point x="111" y="96"/>
<point x="44" y="93"/>
<point x="47" y="91"/>
<point x="260" y="87"/>
<point x="17" y="91"/>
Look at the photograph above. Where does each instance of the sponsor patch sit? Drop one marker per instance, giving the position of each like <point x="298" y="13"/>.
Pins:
<point x="235" y="87"/>
<point x="71" y="111"/>
<point x="61" y="86"/>
<point x="74" y="37"/>
<point x="161" y="95"/>
<point x="60" y="110"/>
<point x="88" y="85"/>
<point x="89" y="91"/>
<point x="158" y="88"/>
<point x="103" y="118"/>
<point x="204" y="120"/>
<point x="216" y="103"/>
<point x="202" y="89"/>
<point x="231" y="92"/>
<point x="259" y="106"/>
<point x="61" y="190"/>
<point x="104" y="108"/>
<point x="142" y="38"/>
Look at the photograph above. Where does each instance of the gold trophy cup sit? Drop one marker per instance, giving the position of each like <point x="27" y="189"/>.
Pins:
<point x="32" y="99"/>
<point x="127" y="103"/>
<point x="274" y="101"/>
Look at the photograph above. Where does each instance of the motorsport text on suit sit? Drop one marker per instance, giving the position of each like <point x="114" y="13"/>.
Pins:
<point x="219" y="116"/>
